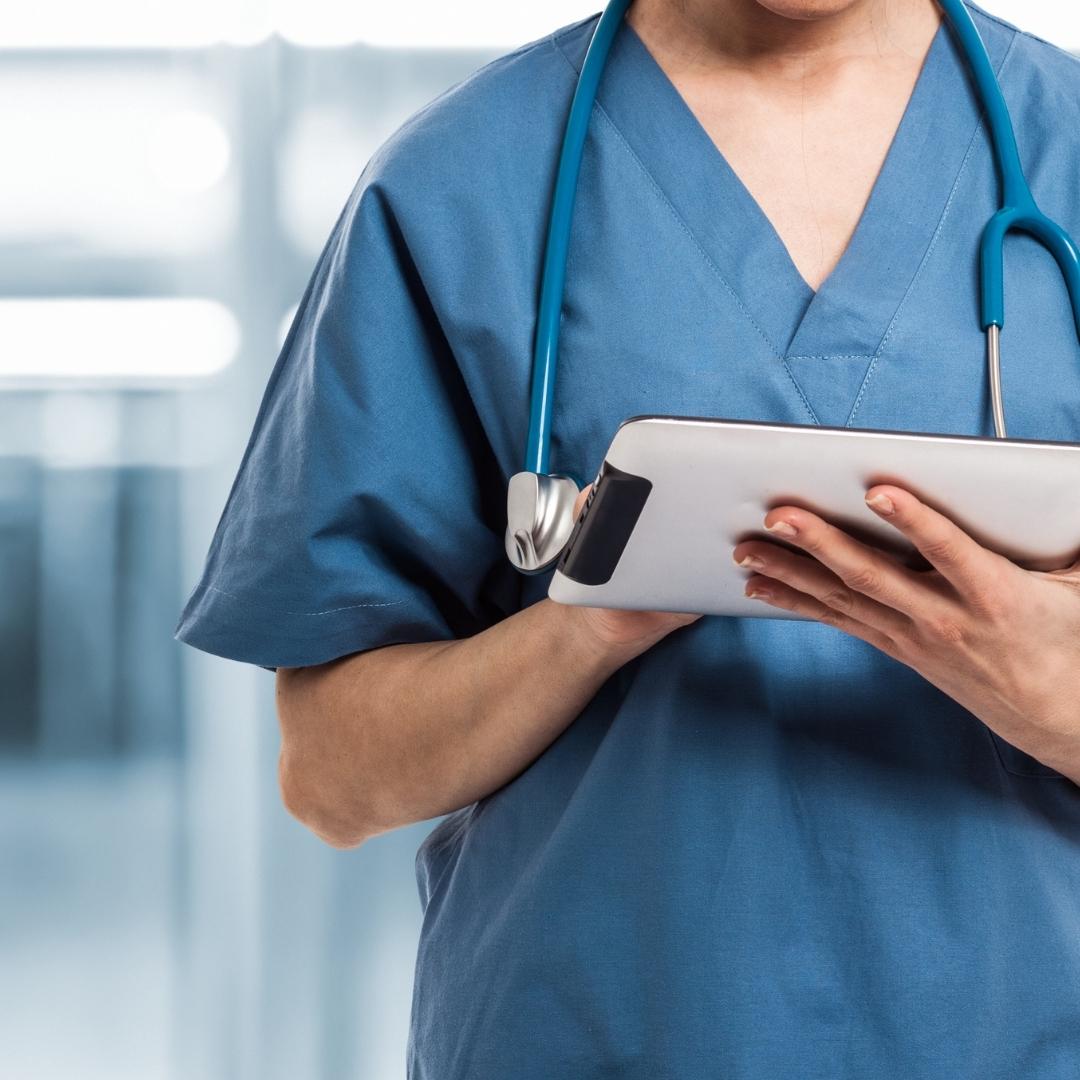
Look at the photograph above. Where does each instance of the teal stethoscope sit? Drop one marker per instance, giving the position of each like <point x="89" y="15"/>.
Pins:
<point x="539" y="505"/>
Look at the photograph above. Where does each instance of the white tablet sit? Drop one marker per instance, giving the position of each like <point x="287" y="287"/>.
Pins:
<point x="675" y="495"/>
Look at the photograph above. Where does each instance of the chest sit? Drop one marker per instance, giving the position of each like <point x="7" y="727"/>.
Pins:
<point x="678" y="304"/>
<point x="682" y="299"/>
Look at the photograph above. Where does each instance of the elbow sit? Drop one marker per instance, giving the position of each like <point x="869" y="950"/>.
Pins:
<point x="316" y="779"/>
<point x="333" y="819"/>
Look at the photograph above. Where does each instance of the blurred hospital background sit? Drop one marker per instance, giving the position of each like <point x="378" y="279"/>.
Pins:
<point x="168" y="174"/>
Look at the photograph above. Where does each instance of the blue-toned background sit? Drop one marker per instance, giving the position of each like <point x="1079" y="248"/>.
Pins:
<point x="168" y="174"/>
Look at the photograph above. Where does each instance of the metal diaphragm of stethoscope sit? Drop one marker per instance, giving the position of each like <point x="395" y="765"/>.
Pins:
<point x="540" y="505"/>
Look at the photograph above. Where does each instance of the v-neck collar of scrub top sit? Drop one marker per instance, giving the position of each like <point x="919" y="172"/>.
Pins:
<point x="851" y="315"/>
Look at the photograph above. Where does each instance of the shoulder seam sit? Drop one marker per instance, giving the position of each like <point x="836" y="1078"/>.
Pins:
<point x="1049" y="44"/>
<point x="558" y="35"/>
<point x="1019" y="31"/>
<point x="993" y="18"/>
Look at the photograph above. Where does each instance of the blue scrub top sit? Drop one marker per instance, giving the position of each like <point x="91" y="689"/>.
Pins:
<point x="765" y="850"/>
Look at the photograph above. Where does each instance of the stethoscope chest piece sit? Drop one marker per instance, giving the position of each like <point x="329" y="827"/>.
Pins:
<point x="539" y="519"/>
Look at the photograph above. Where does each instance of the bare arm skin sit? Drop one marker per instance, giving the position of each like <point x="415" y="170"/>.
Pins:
<point x="404" y="733"/>
<point x="400" y="734"/>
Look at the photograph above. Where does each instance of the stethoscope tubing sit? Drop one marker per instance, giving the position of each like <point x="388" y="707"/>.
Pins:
<point x="553" y="280"/>
<point x="1018" y="212"/>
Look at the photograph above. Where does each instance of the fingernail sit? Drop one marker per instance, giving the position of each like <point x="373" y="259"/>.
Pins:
<point x="752" y="562"/>
<point x="758" y="594"/>
<point x="881" y="503"/>
<point x="783" y="528"/>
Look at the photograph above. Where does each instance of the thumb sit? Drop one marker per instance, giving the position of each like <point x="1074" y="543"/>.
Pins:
<point x="1070" y="571"/>
<point x="579" y="502"/>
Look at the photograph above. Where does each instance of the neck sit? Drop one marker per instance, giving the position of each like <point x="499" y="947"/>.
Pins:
<point x="692" y="35"/>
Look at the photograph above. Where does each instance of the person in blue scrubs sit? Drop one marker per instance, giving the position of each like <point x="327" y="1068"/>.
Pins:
<point x="681" y="848"/>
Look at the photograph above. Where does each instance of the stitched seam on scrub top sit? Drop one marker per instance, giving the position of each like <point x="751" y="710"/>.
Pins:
<point x="662" y="196"/>
<point x="931" y="247"/>
<point x="556" y="37"/>
<point x="1020" y="32"/>
<point x="799" y="390"/>
<point x="832" y="356"/>
<point x="329" y="611"/>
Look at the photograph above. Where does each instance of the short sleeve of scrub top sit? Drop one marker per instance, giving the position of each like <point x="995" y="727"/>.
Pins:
<point x="366" y="510"/>
<point x="764" y="850"/>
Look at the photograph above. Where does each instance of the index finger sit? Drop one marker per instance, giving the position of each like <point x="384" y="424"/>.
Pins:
<point x="969" y="567"/>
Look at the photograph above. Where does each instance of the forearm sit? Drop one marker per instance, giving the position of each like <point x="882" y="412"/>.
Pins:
<point x="407" y="732"/>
